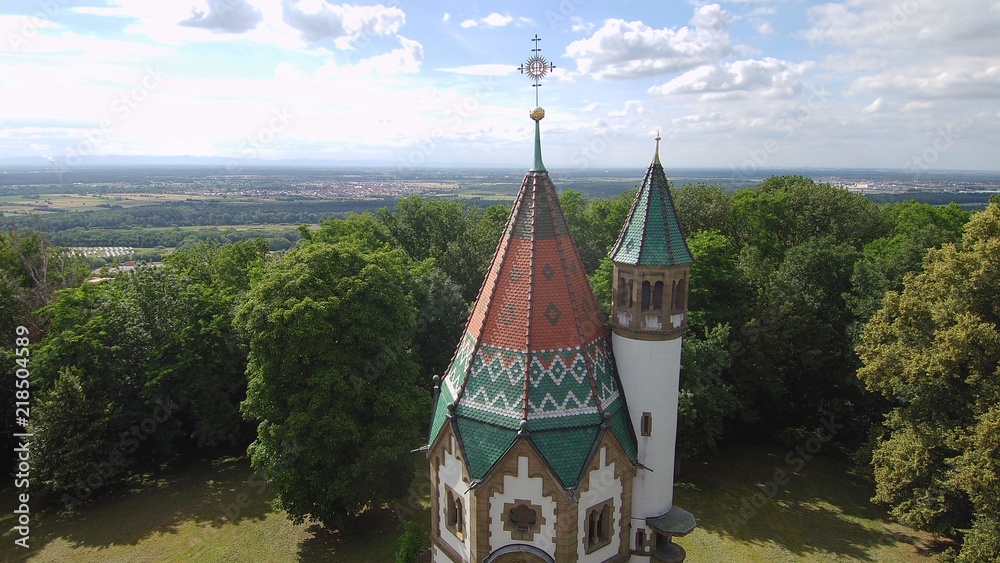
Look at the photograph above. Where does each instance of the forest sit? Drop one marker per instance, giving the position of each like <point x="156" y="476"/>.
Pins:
<point x="808" y="303"/>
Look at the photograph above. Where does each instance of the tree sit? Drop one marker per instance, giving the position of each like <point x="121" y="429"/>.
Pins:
<point x="796" y="362"/>
<point x="916" y="227"/>
<point x="441" y="316"/>
<point x="784" y="211"/>
<point x="461" y="238"/>
<point x="595" y="223"/>
<point x="332" y="379"/>
<point x="155" y="356"/>
<point x="706" y="401"/>
<point x="76" y="437"/>
<point x="934" y="351"/>
<point x="31" y="270"/>
<point x="718" y="294"/>
<point x="411" y="542"/>
<point x="701" y="207"/>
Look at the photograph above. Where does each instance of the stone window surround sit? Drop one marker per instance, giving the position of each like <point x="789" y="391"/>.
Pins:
<point x="603" y="515"/>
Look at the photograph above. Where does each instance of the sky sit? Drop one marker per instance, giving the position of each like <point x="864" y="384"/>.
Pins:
<point x="739" y="84"/>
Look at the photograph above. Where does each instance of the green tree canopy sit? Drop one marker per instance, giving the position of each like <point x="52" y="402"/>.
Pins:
<point x="934" y="351"/>
<point x="333" y="384"/>
<point x="157" y="336"/>
<point x="461" y="238"/>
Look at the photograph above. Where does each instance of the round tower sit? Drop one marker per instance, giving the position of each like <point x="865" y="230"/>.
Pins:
<point x="652" y="266"/>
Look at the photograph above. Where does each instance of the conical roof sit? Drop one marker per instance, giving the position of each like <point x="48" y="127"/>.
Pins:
<point x="652" y="235"/>
<point x="535" y="356"/>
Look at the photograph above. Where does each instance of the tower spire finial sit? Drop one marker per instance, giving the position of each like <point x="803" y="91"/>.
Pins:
<point x="536" y="68"/>
<point x="656" y="156"/>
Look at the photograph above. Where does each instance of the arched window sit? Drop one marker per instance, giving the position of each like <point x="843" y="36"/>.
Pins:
<point x="605" y="522"/>
<point x="645" y="296"/>
<point x="622" y="292"/>
<point x="658" y="296"/>
<point x="630" y="293"/>
<point x="678" y="300"/>
<point x="599" y="525"/>
<point x="455" y="514"/>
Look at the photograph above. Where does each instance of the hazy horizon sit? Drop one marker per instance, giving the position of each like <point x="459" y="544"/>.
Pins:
<point x="766" y="84"/>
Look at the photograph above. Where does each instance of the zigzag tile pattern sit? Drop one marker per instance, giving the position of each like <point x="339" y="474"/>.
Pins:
<point x="535" y="348"/>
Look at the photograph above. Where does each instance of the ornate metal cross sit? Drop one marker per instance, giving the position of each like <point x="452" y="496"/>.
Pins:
<point x="536" y="67"/>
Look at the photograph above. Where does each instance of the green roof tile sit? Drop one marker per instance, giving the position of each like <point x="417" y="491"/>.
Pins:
<point x="652" y="235"/>
<point x="484" y="444"/>
<point x="566" y="451"/>
<point x="534" y="349"/>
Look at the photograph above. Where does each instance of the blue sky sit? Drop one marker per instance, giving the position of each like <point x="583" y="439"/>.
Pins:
<point x="738" y="84"/>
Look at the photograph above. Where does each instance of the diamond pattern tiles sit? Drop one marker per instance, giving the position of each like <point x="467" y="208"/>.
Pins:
<point x="535" y="348"/>
<point x="652" y="234"/>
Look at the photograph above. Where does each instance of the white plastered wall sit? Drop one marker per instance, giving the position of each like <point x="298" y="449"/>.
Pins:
<point x="450" y="475"/>
<point x="650" y="375"/>
<point x="527" y="488"/>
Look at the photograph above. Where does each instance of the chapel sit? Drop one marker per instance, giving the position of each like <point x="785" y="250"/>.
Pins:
<point x="553" y="440"/>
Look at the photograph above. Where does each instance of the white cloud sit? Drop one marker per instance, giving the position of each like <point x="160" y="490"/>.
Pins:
<point x="482" y="70"/>
<point x="621" y="49"/>
<point x="446" y="18"/>
<point x="765" y="28"/>
<point x="632" y="108"/>
<point x="579" y="25"/>
<point x="225" y="16"/>
<point x="954" y="26"/>
<point x="317" y="20"/>
<point x="404" y="60"/>
<point x="954" y="78"/>
<point x="496" y="19"/>
<point x="878" y="106"/>
<point x="768" y="77"/>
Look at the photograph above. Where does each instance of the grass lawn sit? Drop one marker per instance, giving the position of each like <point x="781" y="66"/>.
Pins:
<point x="820" y="513"/>
<point x="215" y="510"/>
<point x="208" y="510"/>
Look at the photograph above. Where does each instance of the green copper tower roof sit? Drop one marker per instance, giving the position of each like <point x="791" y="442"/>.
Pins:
<point x="652" y="235"/>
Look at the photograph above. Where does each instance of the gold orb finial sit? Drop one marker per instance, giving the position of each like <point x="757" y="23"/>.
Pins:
<point x="537" y="114"/>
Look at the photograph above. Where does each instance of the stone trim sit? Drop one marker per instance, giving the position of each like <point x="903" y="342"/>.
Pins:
<point x="435" y="455"/>
<point x="456" y="528"/>
<point x="636" y="275"/>
<point x="603" y="516"/>
<point x="624" y="471"/>
<point x="528" y="534"/>
<point x="565" y="525"/>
